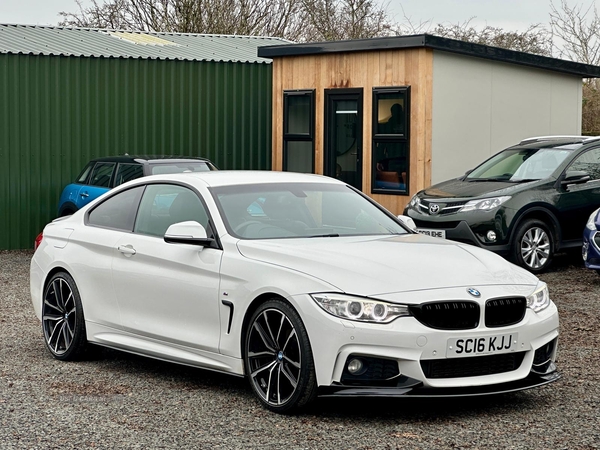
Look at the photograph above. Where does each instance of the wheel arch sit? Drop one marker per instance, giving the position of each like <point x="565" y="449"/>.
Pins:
<point x="67" y="209"/>
<point x="54" y="271"/>
<point x="252" y="307"/>
<point x="543" y="214"/>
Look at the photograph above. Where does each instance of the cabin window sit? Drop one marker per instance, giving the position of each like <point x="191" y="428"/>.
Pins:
<point x="390" y="158"/>
<point x="298" y="131"/>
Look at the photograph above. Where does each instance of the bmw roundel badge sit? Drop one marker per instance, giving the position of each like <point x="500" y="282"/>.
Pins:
<point x="474" y="292"/>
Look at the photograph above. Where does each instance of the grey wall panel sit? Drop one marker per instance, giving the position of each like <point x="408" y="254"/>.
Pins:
<point x="481" y="107"/>
<point x="58" y="112"/>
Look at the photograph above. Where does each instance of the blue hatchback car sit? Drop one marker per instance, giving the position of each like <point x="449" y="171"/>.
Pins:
<point x="102" y="174"/>
<point x="591" y="242"/>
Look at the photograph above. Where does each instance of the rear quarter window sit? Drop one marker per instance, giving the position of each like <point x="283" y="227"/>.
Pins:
<point x="117" y="212"/>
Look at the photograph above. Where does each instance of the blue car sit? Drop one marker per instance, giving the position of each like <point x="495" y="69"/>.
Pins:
<point x="102" y="174"/>
<point x="591" y="242"/>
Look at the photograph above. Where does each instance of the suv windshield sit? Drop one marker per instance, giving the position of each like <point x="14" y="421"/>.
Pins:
<point x="521" y="164"/>
<point x="278" y="210"/>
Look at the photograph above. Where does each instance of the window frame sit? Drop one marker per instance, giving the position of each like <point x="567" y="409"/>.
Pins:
<point x="135" y="207"/>
<point x="209" y="227"/>
<point x="90" y="165"/>
<point x="298" y="137"/>
<point x="382" y="138"/>
<point x="122" y="164"/>
<point x="112" y="174"/>
<point x="579" y="155"/>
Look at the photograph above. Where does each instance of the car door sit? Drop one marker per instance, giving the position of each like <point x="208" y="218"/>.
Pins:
<point x="577" y="201"/>
<point x="92" y="248"/>
<point x="168" y="292"/>
<point x="98" y="184"/>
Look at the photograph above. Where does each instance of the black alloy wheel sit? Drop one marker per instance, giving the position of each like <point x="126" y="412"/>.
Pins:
<point x="278" y="358"/>
<point x="62" y="318"/>
<point x="533" y="247"/>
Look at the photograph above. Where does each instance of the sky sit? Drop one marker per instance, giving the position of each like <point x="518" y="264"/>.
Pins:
<point x="508" y="14"/>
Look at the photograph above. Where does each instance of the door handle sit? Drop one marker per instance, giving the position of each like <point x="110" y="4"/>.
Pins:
<point x="127" y="250"/>
<point x="84" y="194"/>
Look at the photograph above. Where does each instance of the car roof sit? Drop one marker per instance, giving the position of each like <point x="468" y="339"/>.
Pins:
<point x="241" y="177"/>
<point x="148" y="158"/>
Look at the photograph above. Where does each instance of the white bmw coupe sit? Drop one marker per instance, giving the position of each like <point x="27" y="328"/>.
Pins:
<point x="298" y="282"/>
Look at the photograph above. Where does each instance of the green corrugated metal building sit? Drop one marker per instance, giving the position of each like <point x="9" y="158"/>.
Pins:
<point x="68" y="95"/>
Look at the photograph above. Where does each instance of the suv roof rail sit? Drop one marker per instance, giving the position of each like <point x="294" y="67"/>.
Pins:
<point x="553" y="138"/>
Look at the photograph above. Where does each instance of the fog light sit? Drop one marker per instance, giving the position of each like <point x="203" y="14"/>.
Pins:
<point x="584" y="251"/>
<point x="355" y="366"/>
<point x="491" y="236"/>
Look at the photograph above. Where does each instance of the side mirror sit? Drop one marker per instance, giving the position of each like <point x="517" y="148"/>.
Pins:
<point x="408" y="222"/>
<point x="190" y="232"/>
<point x="575" y="177"/>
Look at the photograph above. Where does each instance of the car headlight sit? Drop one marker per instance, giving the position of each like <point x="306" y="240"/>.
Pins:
<point x="591" y="223"/>
<point x="414" y="201"/>
<point x="359" y="308"/>
<point x="486" y="204"/>
<point x="540" y="299"/>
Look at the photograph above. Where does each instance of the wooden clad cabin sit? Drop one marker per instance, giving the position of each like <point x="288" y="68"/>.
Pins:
<point x="391" y="116"/>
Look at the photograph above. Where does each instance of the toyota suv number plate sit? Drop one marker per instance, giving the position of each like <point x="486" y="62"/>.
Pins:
<point x="434" y="233"/>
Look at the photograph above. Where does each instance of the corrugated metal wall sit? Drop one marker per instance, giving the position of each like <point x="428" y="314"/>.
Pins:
<point x="56" y="113"/>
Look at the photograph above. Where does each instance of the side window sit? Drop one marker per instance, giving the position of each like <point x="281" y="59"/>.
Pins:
<point x="588" y="162"/>
<point x="298" y="131"/>
<point x="118" y="211"/>
<point x="101" y="174"/>
<point x="128" y="172"/>
<point x="83" y="176"/>
<point x="165" y="204"/>
<point x="390" y="158"/>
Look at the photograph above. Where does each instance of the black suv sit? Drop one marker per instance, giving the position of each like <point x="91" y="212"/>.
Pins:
<point x="102" y="174"/>
<point x="526" y="202"/>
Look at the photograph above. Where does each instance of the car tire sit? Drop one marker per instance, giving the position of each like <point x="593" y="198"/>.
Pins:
<point x="278" y="358"/>
<point x="63" y="323"/>
<point x="533" y="246"/>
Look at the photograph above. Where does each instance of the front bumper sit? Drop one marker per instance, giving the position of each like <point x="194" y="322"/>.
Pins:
<point x="413" y="348"/>
<point x="408" y="387"/>
<point x="469" y="228"/>
<point x="591" y="249"/>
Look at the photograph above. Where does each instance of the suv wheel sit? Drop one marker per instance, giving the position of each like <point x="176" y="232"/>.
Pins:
<point x="533" y="246"/>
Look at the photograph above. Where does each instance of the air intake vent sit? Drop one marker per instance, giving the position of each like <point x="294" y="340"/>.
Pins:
<point x="472" y="367"/>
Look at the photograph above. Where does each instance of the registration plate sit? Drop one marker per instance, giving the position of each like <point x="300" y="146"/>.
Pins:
<point x="434" y="233"/>
<point x="482" y="345"/>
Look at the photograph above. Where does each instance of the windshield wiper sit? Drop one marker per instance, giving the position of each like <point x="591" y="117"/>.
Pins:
<point x="490" y="179"/>
<point x="325" y="235"/>
<point x="525" y="180"/>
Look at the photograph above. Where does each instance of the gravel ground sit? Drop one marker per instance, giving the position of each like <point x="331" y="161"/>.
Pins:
<point x="117" y="400"/>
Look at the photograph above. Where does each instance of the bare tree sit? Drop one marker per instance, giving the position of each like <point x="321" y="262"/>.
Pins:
<point x="536" y="39"/>
<point x="346" y="19"/>
<point x="299" y="20"/>
<point x="576" y="31"/>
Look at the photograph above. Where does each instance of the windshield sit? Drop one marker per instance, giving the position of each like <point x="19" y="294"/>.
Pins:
<point x="521" y="164"/>
<point x="181" y="167"/>
<point x="286" y="210"/>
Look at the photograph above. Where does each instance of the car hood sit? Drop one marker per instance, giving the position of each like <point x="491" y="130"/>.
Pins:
<point x="458" y="188"/>
<point x="372" y="266"/>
